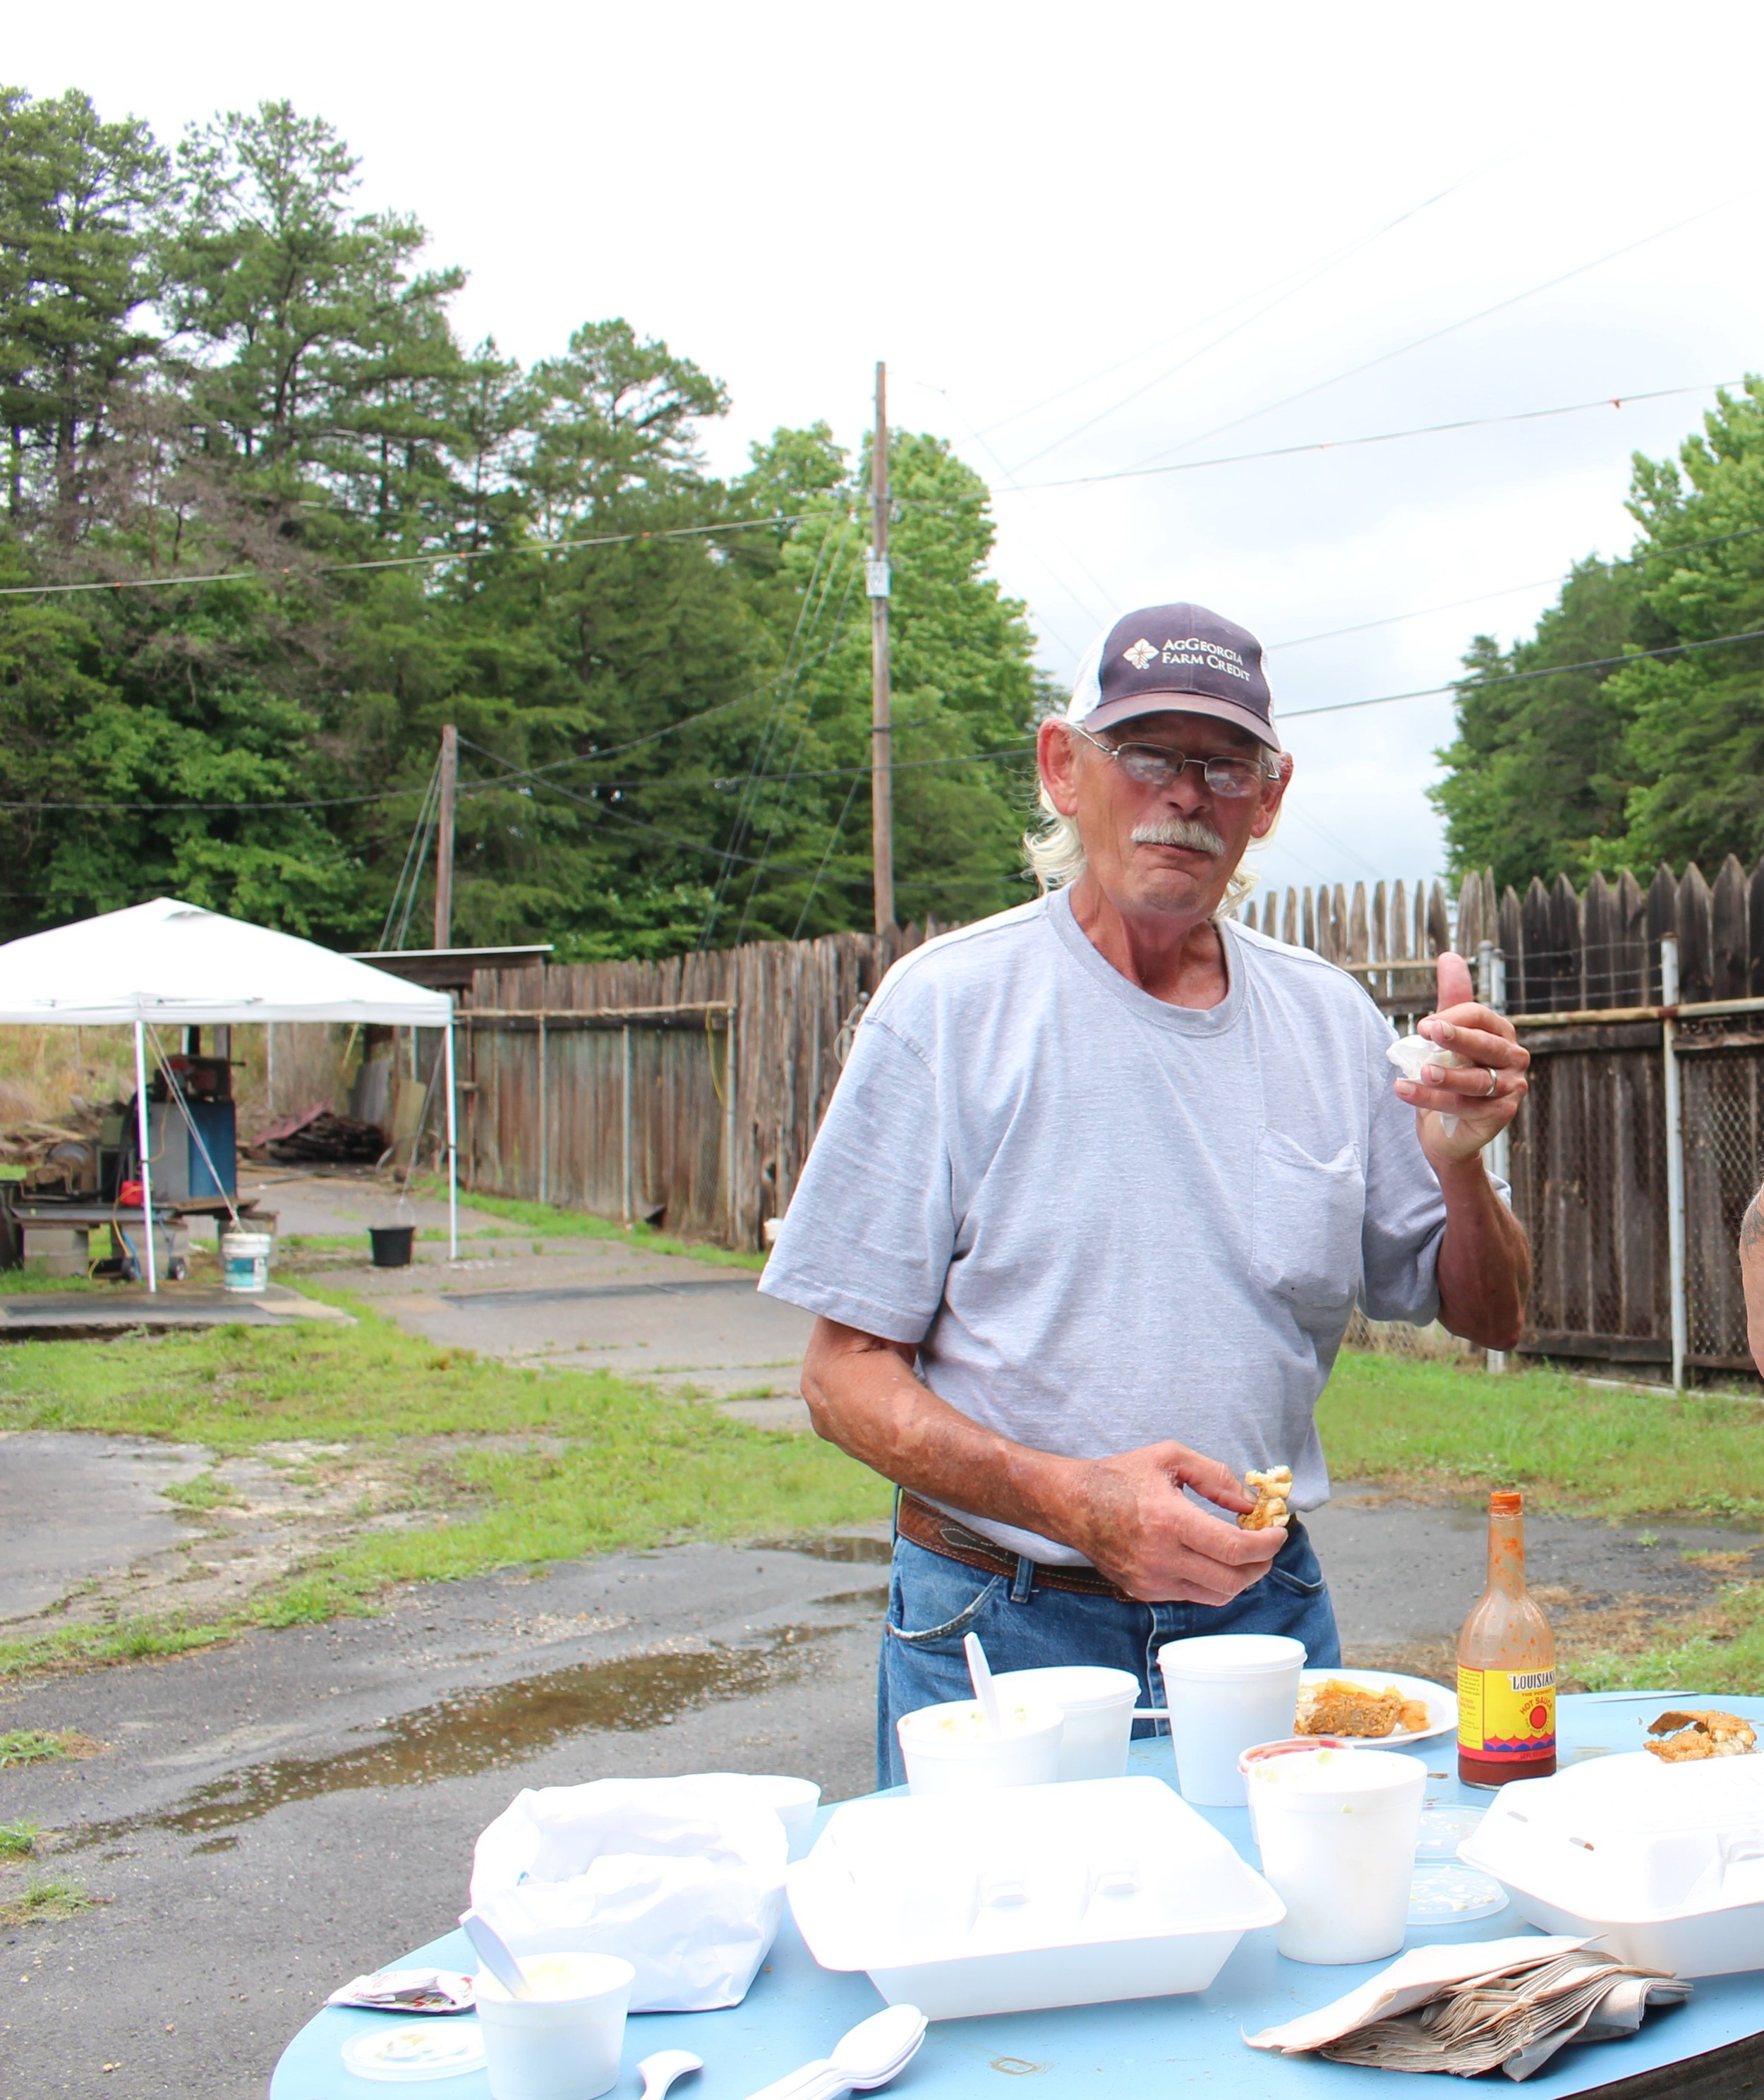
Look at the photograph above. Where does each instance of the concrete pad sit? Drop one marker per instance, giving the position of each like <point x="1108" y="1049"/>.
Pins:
<point x="73" y="1507"/>
<point x="117" y="1308"/>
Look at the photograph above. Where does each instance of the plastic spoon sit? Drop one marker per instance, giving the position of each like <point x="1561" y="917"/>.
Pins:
<point x="496" y="1955"/>
<point x="980" y="1676"/>
<point x="876" y="2050"/>
<point x="658" y="2072"/>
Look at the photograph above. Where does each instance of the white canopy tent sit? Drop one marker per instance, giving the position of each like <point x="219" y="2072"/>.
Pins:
<point x="175" y="963"/>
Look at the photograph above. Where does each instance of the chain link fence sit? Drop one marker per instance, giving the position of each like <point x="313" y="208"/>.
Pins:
<point x="1723" y="1094"/>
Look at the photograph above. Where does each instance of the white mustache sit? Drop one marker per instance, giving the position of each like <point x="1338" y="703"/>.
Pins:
<point x="1187" y="831"/>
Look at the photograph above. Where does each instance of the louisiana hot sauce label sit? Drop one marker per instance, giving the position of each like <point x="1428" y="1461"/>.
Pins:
<point x="1507" y="1716"/>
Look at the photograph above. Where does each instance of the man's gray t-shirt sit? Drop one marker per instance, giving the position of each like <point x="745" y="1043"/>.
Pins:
<point x="1106" y="1220"/>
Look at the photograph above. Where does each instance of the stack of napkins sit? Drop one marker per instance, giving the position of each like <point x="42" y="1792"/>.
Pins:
<point x="1511" y="2003"/>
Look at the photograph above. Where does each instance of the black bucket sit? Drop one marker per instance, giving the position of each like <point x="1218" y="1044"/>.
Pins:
<point x="391" y="1245"/>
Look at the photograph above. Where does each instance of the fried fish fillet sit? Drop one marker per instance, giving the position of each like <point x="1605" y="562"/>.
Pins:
<point x="1339" y="1707"/>
<point x="1271" y="1490"/>
<point x="1701" y="1732"/>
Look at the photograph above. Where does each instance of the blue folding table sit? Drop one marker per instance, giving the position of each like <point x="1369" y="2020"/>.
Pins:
<point x="1714" y="2046"/>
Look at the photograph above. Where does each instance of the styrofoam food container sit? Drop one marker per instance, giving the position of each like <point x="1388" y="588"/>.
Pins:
<point x="1225" y="1692"/>
<point x="564" y="2042"/>
<point x="1098" y="1704"/>
<point x="1338" y="1828"/>
<point x="1664" y="1863"/>
<point x="793" y="1800"/>
<point x="948" y="1749"/>
<point x="1031" y="1897"/>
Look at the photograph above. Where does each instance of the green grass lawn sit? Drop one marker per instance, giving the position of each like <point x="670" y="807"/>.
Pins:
<point x="1571" y="1447"/>
<point x="550" y="1223"/>
<point x="1574" y="1449"/>
<point x="620" y="1467"/>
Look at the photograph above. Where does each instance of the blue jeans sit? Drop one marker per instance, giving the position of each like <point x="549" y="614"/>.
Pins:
<point x="934" y="1601"/>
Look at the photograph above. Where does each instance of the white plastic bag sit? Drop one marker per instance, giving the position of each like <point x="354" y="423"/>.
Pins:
<point x="682" y="1877"/>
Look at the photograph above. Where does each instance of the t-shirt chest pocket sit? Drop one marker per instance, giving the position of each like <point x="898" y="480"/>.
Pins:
<point x="1308" y="1217"/>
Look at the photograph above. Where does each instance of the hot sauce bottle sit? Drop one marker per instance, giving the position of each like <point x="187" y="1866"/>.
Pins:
<point x="1507" y="1667"/>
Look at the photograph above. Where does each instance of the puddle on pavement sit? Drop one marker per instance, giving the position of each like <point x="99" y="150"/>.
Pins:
<point x="480" y="1731"/>
<point x="873" y="1599"/>
<point x="834" y="1545"/>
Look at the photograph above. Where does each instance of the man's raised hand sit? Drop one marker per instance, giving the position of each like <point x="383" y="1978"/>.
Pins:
<point x="1484" y="1092"/>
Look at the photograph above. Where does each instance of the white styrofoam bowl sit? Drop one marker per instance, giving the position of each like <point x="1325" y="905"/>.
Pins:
<point x="1072" y="1894"/>
<point x="1098" y="1704"/>
<point x="947" y="1747"/>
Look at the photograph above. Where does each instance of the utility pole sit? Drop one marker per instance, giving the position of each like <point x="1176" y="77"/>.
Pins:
<point x="443" y="849"/>
<point x="881" y="701"/>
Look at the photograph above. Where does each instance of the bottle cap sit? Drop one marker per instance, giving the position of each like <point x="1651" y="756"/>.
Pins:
<point x="1505" y="1502"/>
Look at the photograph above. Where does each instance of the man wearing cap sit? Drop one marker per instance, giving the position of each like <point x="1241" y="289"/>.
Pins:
<point x="1095" y="1194"/>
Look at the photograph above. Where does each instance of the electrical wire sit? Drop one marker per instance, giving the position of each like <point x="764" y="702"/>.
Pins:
<point x="1219" y="313"/>
<point x="1631" y="560"/>
<point x="1451" y="328"/>
<point x="1374" y="438"/>
<point x="1333" y="261"/>
<point x="174" y="581"/>
<point x="1466" y="687"/>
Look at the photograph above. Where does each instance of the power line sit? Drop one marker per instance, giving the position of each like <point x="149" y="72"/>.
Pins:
<point x="1375" y="438"/>
<point x="1630" y="560"/>
<point x="1219" y="313"/>
<point x="1292" y="291"/>
<point x="1451" y="328"/>
<point x="1466" y="686"/>
<point x="172" y="581"/>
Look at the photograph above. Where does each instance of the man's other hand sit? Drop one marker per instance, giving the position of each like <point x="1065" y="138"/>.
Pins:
<point x="1133" y="1521"/>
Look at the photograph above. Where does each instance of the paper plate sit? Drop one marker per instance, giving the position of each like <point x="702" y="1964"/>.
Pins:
<point x="1441" y="1705"/>
<point x="418" y="2050"/>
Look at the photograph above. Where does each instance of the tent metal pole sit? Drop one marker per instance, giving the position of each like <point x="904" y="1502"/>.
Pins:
<point x="144" y="1140"/>
<point x="453" y="1155"/>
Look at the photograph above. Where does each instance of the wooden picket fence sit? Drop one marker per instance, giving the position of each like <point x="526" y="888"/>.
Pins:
<point x="689" y="1091"/>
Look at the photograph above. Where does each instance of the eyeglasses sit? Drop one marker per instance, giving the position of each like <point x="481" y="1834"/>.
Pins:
<point x="1154" y="766"/>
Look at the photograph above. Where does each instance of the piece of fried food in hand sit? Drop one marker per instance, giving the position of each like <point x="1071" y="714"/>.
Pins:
<point x="1271" y="1489"/>
<point x="1339" y="1708"/>
<point x="1701" y="1732"/>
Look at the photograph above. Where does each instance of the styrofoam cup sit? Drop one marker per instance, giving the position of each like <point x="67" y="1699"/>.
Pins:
<point x="949" y="1750"/>
<point x="1098" y="1704"/>
<point x="563" y="2043"/>
<point x="1337" y="1830"/>
<point x="793" y="1800"/>
<point x="1226" y="1692"/>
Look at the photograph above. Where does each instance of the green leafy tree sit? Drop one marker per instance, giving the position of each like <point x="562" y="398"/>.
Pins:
<point x="1697" y="741"/>
<point x="1537" y="780"/>
<point x="78" y="199"/>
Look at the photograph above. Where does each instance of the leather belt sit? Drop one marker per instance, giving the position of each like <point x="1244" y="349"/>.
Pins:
<point x="938" y="1531"/>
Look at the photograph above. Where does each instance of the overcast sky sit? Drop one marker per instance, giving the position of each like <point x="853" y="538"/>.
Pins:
<point x="1086" y="240"/>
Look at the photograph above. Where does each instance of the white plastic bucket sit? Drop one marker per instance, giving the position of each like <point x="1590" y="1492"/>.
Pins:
<point x="1338" y="1831"/>
<point x="245" y="1259"/>
<point x="564" y="2042"/>
<point x="1226" y="1692"/>
<point x="1098" y="1704"/>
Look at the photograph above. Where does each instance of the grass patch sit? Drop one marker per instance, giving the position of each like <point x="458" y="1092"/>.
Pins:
<point x="18" y="1840"/>
<point x="30" y="1746"/>
<point x="623" y="1468"/>
<point x="553" y="1224"/>
<point x="1574" y="1447"/>
<point x="44" y="1902"/>
<point x="203" y="1493"/>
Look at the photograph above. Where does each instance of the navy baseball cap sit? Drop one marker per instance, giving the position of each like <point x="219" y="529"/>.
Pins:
<point x="1174" y="658"/>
